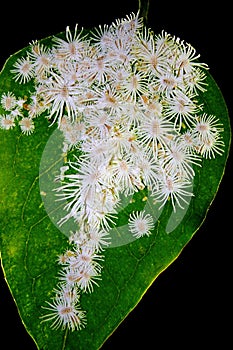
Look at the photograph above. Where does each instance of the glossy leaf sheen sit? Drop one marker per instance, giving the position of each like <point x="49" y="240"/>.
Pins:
<point x="30" y="242"/>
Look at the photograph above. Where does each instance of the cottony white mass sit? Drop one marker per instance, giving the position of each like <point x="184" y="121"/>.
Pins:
<point x="126" y="101"/>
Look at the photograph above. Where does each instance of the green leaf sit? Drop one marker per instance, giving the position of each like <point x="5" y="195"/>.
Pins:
<point x="31" y="240"/>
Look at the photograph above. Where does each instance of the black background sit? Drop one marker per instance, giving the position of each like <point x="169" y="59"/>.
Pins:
<point x="189" y="305"/>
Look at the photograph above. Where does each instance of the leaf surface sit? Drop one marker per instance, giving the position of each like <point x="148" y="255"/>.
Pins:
<point x="31" y="241"/>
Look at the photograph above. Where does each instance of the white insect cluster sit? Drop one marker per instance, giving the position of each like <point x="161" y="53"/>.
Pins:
<point x="127" y="100"/>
